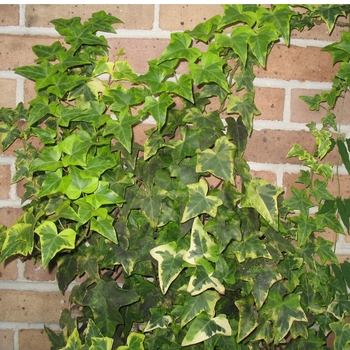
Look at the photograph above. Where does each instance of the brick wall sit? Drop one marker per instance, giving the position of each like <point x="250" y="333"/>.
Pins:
<point x="29" y="298"/>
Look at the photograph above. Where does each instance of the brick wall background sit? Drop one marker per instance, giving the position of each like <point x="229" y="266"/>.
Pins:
<point x="29" y="297"/>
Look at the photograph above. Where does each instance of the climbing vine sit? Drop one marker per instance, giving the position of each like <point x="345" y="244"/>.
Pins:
<point x="178" y="245"/>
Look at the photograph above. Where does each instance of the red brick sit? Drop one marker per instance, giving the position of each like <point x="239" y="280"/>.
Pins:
<point x="8" y="270"/>
<point x="5" y="181"/>
<point x="16" y="50"/>
<point x="33" y="339"/>
<point x="137" y="51"/>
<point x="9" y="15"/>
<point x="8" y="93"/>
<point x="272" y="146"/>
<point x="301" y="113"/>
<point x="139" y="16"/>
<point x="298" y="63"/>
<point x="8" y="216"/>
<point x="270" y="103"/>
<point x="35" y="272"/>
<point x="28" y="306"/>
<point x="7" y="339"/>
<point x="182" y="17"/>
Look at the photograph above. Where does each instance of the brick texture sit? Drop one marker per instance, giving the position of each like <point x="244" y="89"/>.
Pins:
<point x="301" y="69"/>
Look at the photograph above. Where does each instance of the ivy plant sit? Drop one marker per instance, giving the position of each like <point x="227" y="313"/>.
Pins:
<point x="177" y="245"/>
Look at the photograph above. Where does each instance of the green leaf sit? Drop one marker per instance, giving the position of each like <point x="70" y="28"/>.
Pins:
<point x="340" y="306"/>
<point x="325" y="251"/>
<point x="54" y="183"/>
<point x="329" y="14"/>
<point x="299" y="201"/>
<point x="320" y="192"/>
<point x="103" y="343"/>
<point x="158" y="319"/>
<point x="183" y="87"/>
<point x="179" y="47"/>
<point x="123" y="71"/>
<point x="103" y="195"/>
<point x="105" y="299"/>
<point x="341" y="330"/>
<point x="238" y="14"/>
<point x="199" y="202"/>
<point x="259" y="42"/>
<point x="170" y="263"/>
<point x="219" y="161"/>
<point x="19" y="240"/>
<point x="279" y="18"/>
<point x="53" y="242"/>
<point x="211" y="71"/>
<point x="204" y="31"/>
<point x="63" y="83"/>
<point x="122" y="128"/>
<point x="237" y="41"/>
<point x="75" y="147"/>
<point x="204" y="327"/>
<point x="101" y="21"/>
<point x="203" y="279"/>
<point x="244" y="107"/>
<point x="201" y="245"/>
<point x="67" y="270"/>
<point x="261" y="276"/>
<point x="248" y="318"/>
<point x="306" y="225"/>
<point x="39" y="109"/>
<point x="158" y="108"/>
<point x="134" y="342"/>
<point x="80" y="183"/>
<point x="104" y="226"/>
<point x="283" y="312"/>
<point x="251" y="247"/>
<point x="187" y="146"/>
<point x="263" y="196"/>
<point x="194" y="305"/>
<point x="49" y="160"/>
<point x="73" y="341"/>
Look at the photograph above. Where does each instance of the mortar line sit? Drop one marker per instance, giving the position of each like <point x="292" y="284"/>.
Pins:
<point x="22" y="15"/>
<point x="287" y="104"/>
<point x="156" y="21"/>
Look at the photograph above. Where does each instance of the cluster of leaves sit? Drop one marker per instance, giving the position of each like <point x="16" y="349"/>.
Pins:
<point x="178" y="245"/>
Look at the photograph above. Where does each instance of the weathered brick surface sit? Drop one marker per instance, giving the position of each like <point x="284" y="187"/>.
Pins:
<point x="21" y="306"/>
<point x="16" y="50"/>
<point x="9" y="15"/>
<point x="5" y="180"/>
<point x="137" y="51"/>
<point x="134" y="16"/>
<point x="6" y="339"/>
<point x="8" y="270"/>
<point x="33" y="339"/>
<point x="186" y="17"/>
<point x="9" y="215"/>
<point x="298" y="63"/>
<point x="8" y="93"/>
<point x="270" y="103"/>
<point x="35" y="272"/>
<point x="272" y="146"/>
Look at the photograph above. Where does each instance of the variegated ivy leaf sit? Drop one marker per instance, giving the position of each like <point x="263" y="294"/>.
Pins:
<point x="53" y="242"/>
<point x="204" y="327"/>
<point x="134" y="342"/>
<point x="250" y="247"/>
<point x="73" y="341"/>
<point x="283" y="312"/>
<point x="158" y="319"/>
<point x="203" y="279"/>
<point x="202" y="245"/>
<point x="262" y="196"/>
<point x="199" y="202"/>
<point x="219" y="161"/>
<point x="194" y="305"/>
<point x="170" y="263"/>
<point x="19" y="240"/>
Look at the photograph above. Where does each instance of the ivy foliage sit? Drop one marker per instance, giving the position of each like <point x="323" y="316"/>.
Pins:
<point x="178" y="246"/>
